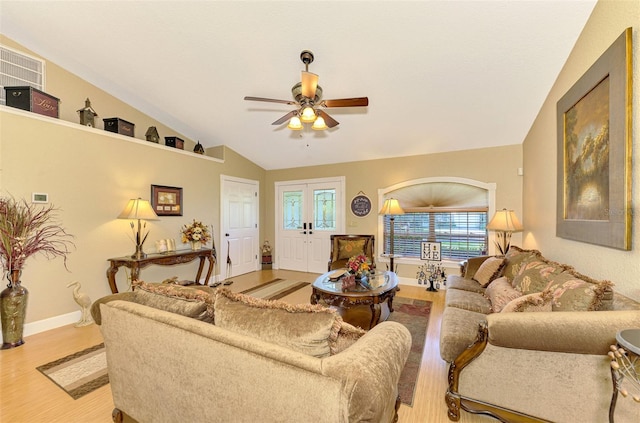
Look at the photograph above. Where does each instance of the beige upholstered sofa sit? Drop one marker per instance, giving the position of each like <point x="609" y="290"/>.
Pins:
<point x="526" y="339"/>
<point x="261" y="361"/>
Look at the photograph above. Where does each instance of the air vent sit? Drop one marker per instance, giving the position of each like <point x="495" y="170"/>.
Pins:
<point x="18" y="69"/>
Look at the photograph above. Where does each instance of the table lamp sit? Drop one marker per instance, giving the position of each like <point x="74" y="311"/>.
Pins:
<point x="138" y="209"/>
<point x="504" y="222"/>
<point x="391" y="207"/>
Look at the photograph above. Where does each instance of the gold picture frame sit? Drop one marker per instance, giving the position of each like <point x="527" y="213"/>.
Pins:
<point x="594" y="152"/>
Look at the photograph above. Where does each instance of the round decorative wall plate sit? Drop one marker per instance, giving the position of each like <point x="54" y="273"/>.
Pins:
<point x="360" y="205"/>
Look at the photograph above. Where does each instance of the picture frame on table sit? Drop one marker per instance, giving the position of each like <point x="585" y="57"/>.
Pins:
<point x="166" y="201"/>
<point x="594" y="152"/>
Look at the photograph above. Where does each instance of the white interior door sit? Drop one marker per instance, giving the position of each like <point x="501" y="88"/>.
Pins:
<point x="240" y="233"/>
<point x="308" y="213"/>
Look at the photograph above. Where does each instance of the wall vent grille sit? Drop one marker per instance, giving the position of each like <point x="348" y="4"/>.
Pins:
<point x="18" y="69"/>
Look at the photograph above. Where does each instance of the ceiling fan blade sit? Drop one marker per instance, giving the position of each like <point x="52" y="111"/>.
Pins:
<point x="309" y="84"/>
<point x="328" y="120"/>
<point x="271" y="100"/>
<point x="285" y="118"/>
<point x="347" y="102"/>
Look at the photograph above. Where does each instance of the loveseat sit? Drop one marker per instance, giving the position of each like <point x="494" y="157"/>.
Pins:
<point x="184" y="354"/>
<point x="526" y="340"/>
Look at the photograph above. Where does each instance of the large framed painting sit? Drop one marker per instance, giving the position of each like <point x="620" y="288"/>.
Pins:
<point x="594" y="152"/>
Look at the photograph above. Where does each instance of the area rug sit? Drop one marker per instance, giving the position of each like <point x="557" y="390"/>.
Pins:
<point x="79" y="373"/>
<point x="414" y="315"/>
<point x="275" y="289"/>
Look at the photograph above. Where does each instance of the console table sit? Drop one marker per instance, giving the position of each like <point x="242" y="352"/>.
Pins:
<point x="164" y="259"/>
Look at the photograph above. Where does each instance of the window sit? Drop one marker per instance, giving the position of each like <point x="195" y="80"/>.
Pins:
<point x="19" y="70"/>
<point x="463" y="234"/>
<point x="450" y="210"/>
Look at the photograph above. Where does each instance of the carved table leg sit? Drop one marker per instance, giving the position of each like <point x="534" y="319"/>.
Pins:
<point x="210" y="270"/>
<point x="135" y="272"/>
<point x="111" y="278"/>
<point x="199" y="274"/>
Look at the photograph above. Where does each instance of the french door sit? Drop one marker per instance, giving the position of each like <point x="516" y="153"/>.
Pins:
<point x="308" y="213"/>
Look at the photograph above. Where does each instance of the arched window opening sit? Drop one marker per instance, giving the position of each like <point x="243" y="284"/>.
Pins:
<point x="451" y="211"/>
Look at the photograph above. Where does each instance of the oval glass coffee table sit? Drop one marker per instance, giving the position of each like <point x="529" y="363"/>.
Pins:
<point x="383" y="287"/>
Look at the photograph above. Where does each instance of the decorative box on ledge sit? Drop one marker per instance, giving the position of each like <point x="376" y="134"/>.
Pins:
<point x="174" y="142"/>
<point x="119" y="126"/>
<point x="32" y="100"/>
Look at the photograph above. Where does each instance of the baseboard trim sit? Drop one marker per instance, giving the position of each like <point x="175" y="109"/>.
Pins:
<point x="50" y="323"/>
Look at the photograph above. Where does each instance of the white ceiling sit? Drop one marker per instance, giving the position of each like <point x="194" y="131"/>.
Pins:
<point x="440" y="75"/>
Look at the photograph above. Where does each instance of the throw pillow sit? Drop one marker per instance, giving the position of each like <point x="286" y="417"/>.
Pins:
<point x="488" y="270"/>
<point x="347" y="336"/>
<point x="306" y="328"/>
<point x="190" y="302"/>
<point x="535" y="274"/>
<point x="514" y="258"/>
<point x="538" y="301"/>
<point x="348" y="248"/>
<point x="500" y="293"/>
<point x="575" y="292"/>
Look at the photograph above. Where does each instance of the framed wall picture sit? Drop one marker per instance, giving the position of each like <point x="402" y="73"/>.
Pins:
<point x="166" y="201"/>
<point x="594" y="152"/>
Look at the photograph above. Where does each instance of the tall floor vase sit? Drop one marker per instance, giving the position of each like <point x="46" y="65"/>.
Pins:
<point x="13" y="309"/>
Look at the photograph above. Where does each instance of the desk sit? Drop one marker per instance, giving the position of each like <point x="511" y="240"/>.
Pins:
<point x="163" y="259"/>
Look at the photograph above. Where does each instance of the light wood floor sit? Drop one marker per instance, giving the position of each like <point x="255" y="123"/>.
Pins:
<point x="26" y="396"/>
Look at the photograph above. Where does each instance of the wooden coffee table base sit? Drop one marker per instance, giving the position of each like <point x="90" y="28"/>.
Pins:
<point x="351" y="308"/>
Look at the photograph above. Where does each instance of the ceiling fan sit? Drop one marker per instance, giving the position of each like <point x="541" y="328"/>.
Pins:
<point x="307" y="96"/>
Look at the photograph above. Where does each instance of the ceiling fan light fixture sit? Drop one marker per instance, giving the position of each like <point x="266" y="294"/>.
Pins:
<point x="295" y="124"/>
<point x="319" y="124"/>
<point x="308" y="114"/>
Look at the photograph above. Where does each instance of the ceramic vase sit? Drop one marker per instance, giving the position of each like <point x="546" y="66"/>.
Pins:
<point x="196" y="245"/>
<point x="13" y="309"/>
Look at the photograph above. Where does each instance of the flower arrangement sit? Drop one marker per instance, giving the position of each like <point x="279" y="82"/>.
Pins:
<point x="195" y="232"/>
<point x="358" y="264"/>
<point x="27" y="229"/>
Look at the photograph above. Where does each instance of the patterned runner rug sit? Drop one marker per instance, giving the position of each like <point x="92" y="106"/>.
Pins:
<point x="275" y="289"/>
<point x="414" y="315"/>
<point x="79" y="373"/>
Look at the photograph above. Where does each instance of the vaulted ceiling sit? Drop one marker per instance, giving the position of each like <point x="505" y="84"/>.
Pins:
<point x="440" y="75"/>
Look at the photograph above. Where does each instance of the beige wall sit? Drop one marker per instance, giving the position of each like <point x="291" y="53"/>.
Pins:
<point x="490" y="165"/>
<point x="608" y="21"/>
<point x="90" y="174"/>
<point x="72" y="92"/>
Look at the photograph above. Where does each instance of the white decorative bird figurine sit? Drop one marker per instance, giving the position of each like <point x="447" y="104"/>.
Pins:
<point x="84" y="302"/>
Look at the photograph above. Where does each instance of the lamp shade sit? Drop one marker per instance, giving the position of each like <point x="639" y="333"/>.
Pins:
<point x="505" y="221"/>
<point x="137" y="208"/>
<point x="295" y="124"/>
<point x="391" y="206"/>
<point x="319" y="124"/>
<point x="308" y="115"/>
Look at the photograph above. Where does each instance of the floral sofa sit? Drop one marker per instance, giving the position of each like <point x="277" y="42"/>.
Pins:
<point x="527" y="339"/>
<point x="244" y="359"/>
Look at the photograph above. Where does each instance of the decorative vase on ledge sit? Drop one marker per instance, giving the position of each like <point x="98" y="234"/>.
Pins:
<point x="196" y="245"/>
<point x="13" y="309"/>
